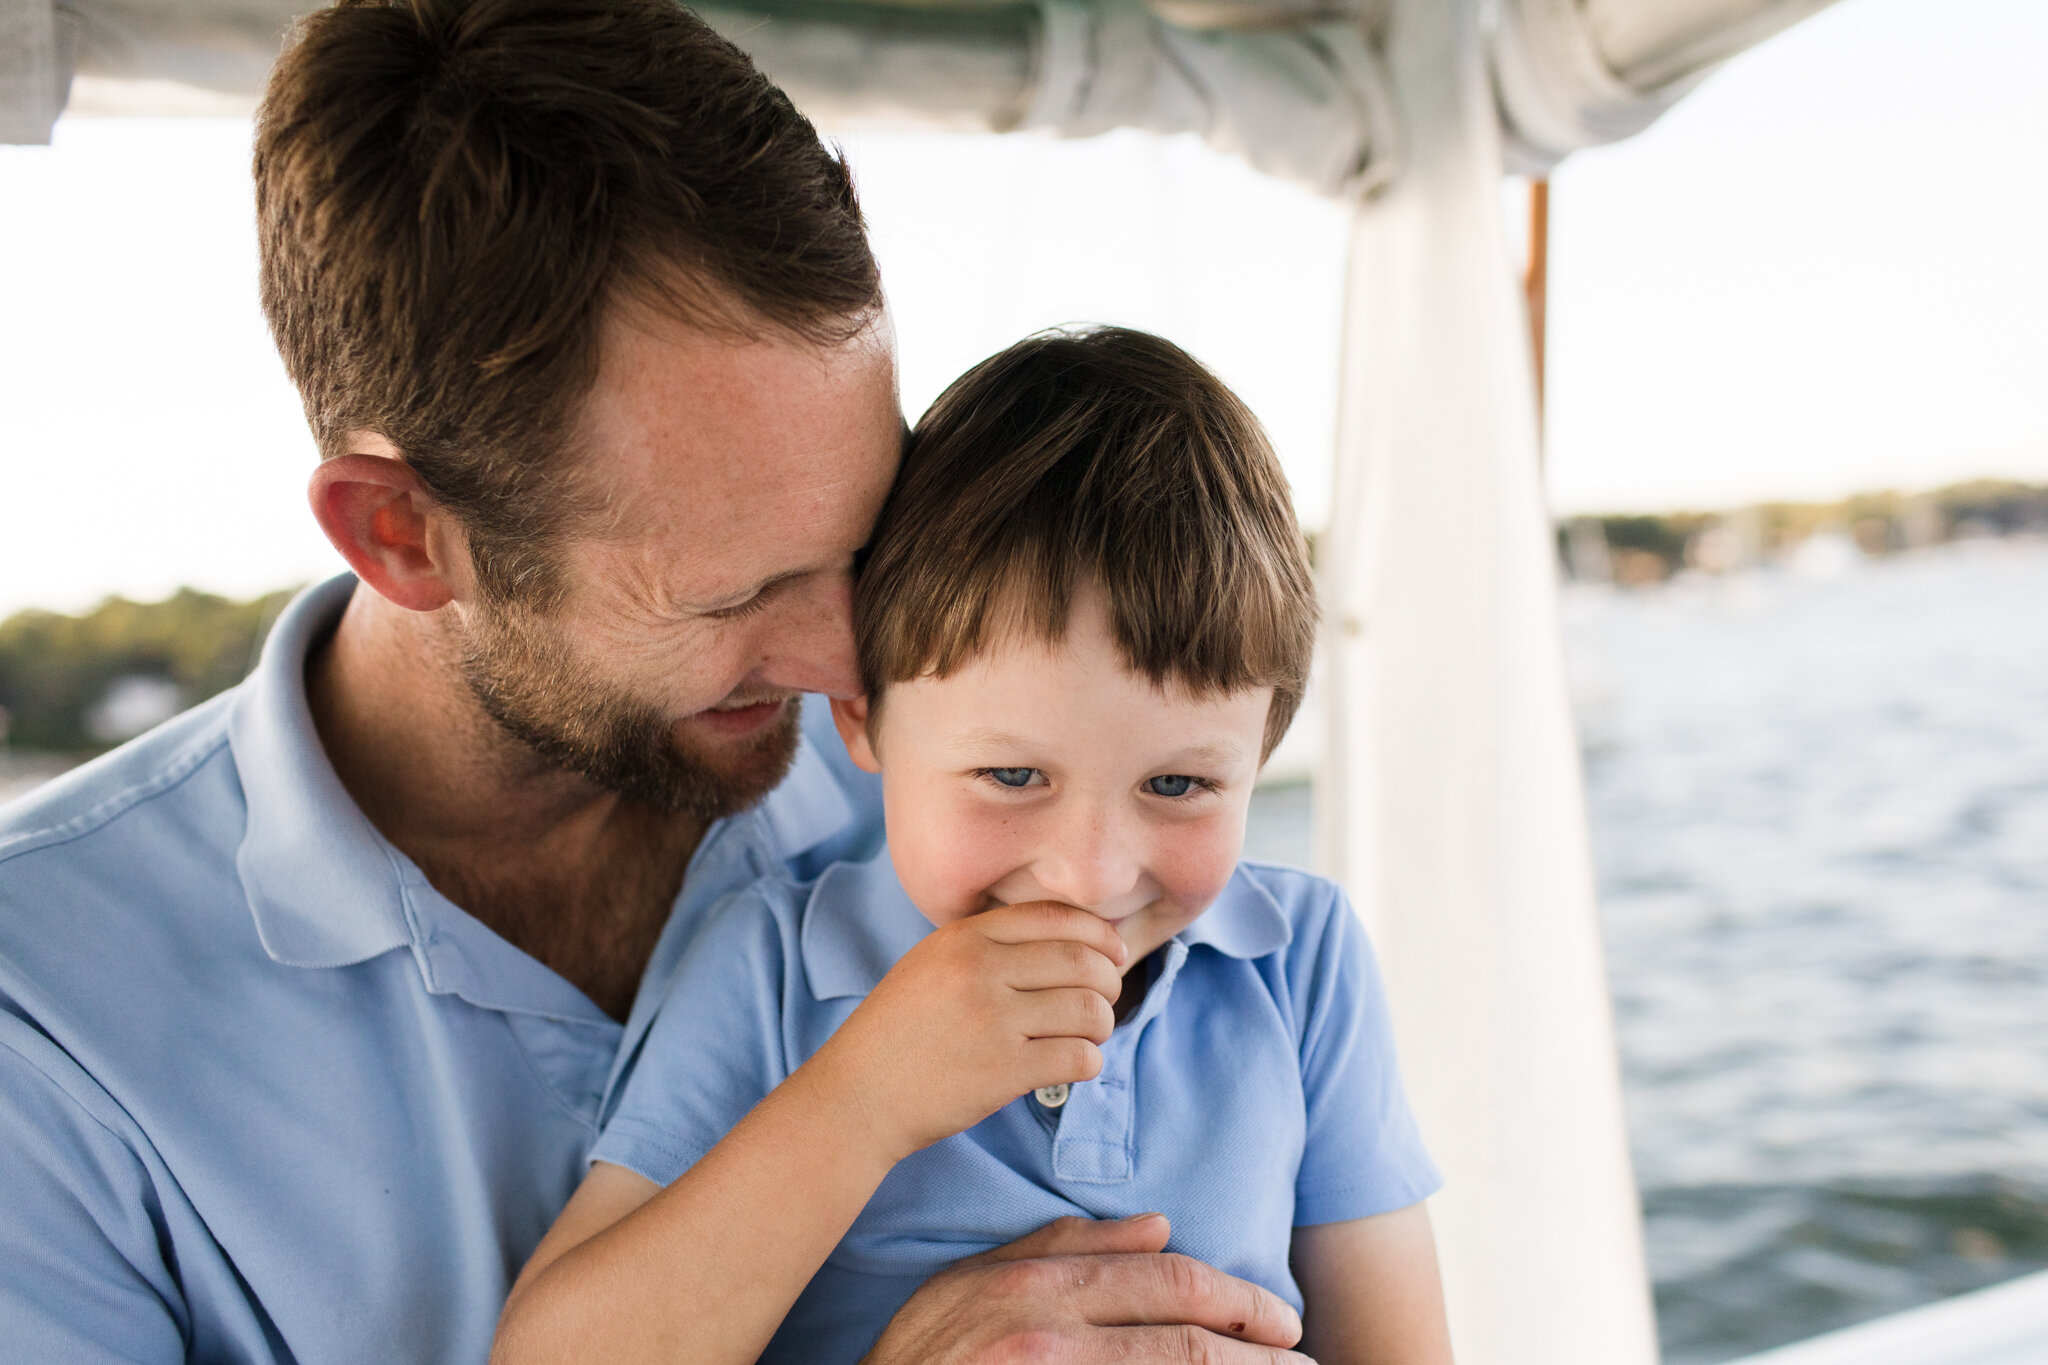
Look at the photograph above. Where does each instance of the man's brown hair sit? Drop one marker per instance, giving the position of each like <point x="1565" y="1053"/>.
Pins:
<point x="1104" y="456"/>
<point x="450" y="195"/>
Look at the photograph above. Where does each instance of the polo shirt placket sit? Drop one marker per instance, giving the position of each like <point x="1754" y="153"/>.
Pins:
<point x="1095" y="1133"/>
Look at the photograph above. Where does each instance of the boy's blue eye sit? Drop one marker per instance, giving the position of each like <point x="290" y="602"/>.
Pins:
<point x="1171" y="785"/>
<point x="1012" y="777"/>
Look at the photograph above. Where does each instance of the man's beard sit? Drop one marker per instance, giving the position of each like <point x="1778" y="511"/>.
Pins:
<point x="524" y="675"/>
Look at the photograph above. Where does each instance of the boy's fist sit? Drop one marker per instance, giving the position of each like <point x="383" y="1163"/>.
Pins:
<point x="983" y="1010"/>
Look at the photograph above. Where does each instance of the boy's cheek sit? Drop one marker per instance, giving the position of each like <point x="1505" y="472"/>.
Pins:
<point x="948" y="865"/>
<point x="1195" y="867"/>
<point x="1197" y="892"/>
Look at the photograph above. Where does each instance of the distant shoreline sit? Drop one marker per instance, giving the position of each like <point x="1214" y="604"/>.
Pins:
<point x="22" y="772"/>
<point x="1639" y="549"/>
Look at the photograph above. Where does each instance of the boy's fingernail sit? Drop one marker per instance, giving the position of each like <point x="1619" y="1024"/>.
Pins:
<point x="1136" y="1217"/>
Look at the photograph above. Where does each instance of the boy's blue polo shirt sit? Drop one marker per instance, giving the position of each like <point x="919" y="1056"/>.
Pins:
<point x="1254" y="1091"/>
<point x="266" y="1095"/>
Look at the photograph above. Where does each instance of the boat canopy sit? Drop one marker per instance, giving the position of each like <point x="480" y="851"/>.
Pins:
<point x="1296" y="87"/>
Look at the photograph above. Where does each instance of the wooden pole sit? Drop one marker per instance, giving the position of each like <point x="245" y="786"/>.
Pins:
<point x="1536" y="283"/>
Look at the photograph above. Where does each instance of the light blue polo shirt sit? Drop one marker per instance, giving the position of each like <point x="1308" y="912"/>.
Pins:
<point x="1252" y="1092"/>
<point x="266" y="1095"/>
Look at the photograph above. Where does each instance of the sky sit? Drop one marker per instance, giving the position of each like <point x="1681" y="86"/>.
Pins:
<point x="1822" y="272"/>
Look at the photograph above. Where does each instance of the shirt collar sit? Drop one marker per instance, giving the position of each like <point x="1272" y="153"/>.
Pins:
<point x="326" y="889"/>
<point x="320" y="879"/>
<point x="807" y="807"/>
<point x="858" y="921"/>
<point x="1244" y="921"/>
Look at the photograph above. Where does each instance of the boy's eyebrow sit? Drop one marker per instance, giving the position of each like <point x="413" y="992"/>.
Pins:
<point x="1220" y="753"/>
<point x="987" y="739"/>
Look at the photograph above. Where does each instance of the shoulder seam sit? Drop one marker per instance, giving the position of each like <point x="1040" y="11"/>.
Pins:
<point x="57" y="1083"/>
<point x="122" y="801"/>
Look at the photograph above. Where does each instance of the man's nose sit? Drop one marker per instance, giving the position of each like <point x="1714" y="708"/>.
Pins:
<point x="811" y="646"/>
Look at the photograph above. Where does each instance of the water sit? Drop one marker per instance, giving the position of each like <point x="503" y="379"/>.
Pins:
<point x="1820" y="817"/>
<point x="1820" y="814"/>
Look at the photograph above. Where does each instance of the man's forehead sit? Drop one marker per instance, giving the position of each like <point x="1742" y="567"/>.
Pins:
<point x="647" y="354"/>
<point x="686" y="420"/>
<point x="720" y="461"/>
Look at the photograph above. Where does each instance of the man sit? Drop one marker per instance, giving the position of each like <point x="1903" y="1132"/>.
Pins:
<point x="312" y="1000"/>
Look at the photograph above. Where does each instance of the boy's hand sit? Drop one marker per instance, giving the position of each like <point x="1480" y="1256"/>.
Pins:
<point x="982" y="1011"/>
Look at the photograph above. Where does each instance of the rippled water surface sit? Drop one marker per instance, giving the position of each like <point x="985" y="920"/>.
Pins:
<point x="1820" y="814"/>
<point x="1820" y="811"/>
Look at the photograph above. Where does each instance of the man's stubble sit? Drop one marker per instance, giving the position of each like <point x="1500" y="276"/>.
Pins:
<point x="528" y="679"/>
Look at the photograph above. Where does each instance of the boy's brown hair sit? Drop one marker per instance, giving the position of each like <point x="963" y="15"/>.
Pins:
<point x="450" y="195"/>
<point x="1103" y="456"/>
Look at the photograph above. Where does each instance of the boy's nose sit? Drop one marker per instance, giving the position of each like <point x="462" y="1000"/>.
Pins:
<point x="1089" y="866"/>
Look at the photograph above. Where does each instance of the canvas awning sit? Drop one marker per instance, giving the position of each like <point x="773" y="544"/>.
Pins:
<point x="1296" y="87"/>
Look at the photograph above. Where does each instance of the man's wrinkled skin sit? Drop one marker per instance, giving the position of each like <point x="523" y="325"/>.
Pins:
<point x="1119" y="1299"/>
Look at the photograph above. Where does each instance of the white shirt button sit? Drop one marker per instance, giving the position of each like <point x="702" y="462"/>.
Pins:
<point x="1052" y="1096"/>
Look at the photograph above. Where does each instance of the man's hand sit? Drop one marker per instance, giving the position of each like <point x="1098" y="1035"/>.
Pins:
<point x="1080" y="1292"/>
<point x="983" y="1010"/>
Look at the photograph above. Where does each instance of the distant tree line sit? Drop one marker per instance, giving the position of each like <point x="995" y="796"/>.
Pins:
<point x="1641" y="548"/>
<point x="62" y="678"/>
<point x="58" y="673"/>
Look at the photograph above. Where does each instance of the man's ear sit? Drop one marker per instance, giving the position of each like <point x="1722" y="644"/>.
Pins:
<point x="851" y="715"/>
<point x="379" y="515"/>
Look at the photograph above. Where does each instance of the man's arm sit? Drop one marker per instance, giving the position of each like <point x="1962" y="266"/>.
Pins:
<point x="1372" y="1291"/>
<point x="82" y="1276"/>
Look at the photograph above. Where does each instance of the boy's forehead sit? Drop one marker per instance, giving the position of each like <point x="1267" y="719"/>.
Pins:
<point x="1021" y="651"/>
<point x="1023" y="691"/>
<point x="1213" y="744"/>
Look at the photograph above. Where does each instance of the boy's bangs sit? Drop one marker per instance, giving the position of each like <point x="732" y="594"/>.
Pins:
<point x="1107" y="459"/>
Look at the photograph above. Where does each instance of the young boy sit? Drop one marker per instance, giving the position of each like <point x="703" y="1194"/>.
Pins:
<point x="1085" y="620"/>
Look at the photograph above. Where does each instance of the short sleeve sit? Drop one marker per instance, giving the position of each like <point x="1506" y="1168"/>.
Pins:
<point x="715" y="1048"/>
<point x="1363" y="1154"/>
<point x="82" y="1272"/>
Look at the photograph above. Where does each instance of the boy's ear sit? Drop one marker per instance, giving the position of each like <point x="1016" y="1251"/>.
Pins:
<point x="851" y="714"/>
